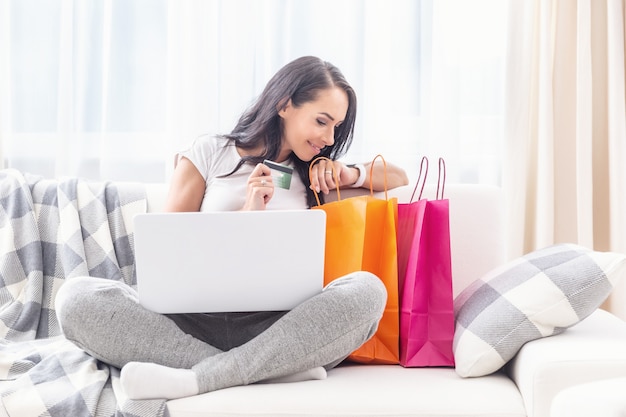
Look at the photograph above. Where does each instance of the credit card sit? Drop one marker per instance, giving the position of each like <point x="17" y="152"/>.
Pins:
<point x="281" y="174"/>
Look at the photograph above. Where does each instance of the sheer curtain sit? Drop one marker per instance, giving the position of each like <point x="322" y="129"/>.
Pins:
<point x="111" y="89"/>
<point x="566" y="127"/>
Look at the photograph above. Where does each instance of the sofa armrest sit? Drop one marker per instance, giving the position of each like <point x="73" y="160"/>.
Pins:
<point x="592" y="350"/>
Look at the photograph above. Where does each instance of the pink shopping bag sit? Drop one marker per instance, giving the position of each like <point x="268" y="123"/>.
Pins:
<point x="425" y="278"/>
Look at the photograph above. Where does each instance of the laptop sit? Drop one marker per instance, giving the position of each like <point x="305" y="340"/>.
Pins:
<point x="229" y="261"/>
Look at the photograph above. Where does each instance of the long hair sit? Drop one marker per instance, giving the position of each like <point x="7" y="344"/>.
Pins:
<point x="300" y="80"/>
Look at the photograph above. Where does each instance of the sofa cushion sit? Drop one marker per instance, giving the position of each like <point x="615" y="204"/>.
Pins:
<point x="537" y="295"/>
<point x="364" y="390"/>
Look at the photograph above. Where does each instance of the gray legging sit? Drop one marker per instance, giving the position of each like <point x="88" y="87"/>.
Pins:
<point x="105" y="319"/>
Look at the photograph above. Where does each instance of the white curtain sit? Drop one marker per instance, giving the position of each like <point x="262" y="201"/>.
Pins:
<point x="111" y="89"/>
<point x="566" y="127"/>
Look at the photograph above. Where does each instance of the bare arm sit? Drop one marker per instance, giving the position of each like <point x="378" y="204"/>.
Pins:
<point x="323" y="176"/>
<point x="396" y="176"/>
<point x="187" y="188"/>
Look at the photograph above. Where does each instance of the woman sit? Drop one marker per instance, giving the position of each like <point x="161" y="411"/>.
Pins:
<point x="306" y="110"/>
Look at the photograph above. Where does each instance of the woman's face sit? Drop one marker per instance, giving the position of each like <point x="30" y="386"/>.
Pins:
<point x="309" y="128"/>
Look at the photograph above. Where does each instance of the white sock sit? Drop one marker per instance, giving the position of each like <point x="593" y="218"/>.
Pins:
<point x="315" y="373"/>
<point x="143" y="381"/>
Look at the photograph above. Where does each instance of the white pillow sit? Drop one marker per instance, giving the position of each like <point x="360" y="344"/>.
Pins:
<point x="537" y="295"/>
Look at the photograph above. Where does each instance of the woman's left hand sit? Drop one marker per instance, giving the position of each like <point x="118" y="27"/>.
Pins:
<point x="325" y="173"/>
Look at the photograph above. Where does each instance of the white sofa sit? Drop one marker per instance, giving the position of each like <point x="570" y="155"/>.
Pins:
<point x="592" y="350"/>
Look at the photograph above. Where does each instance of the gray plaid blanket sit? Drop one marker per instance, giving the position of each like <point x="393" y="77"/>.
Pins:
<point x="52" y="231"/>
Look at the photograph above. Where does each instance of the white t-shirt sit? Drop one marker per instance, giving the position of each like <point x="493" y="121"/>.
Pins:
<point x="215" y="156"/>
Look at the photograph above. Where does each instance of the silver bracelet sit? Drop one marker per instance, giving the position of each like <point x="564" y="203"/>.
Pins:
<point x="361" y="180"/>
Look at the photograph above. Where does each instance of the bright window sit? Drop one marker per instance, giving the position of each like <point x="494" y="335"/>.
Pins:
<point x="112" y="89"/>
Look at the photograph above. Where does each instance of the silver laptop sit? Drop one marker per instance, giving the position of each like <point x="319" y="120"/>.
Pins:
<point x="229" y="261"/>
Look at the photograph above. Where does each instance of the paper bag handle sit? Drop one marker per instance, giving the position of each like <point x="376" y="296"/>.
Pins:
<point x="372" y="175"/>
<point x="423" y="168"/>
<point x="441" y="179"/>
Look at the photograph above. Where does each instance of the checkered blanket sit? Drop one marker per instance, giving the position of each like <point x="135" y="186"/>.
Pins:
<point x="51" y="231"/>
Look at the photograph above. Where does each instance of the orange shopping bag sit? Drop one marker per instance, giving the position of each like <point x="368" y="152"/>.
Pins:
<point x="361" y="236"/>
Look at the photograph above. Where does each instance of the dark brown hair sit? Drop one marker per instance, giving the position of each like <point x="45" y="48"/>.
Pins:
<point x="299" y="81"/>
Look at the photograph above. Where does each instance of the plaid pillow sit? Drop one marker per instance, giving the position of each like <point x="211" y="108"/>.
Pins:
<point x="538" y="295"/>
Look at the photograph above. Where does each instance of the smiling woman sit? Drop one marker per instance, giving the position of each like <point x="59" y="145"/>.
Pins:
<point x="112" y="89"/>
<point x="306" y="110"/>
<point x="322" y="118"/>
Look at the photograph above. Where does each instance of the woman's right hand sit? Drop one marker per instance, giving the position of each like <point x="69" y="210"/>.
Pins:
<point x="260" y="188"/>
